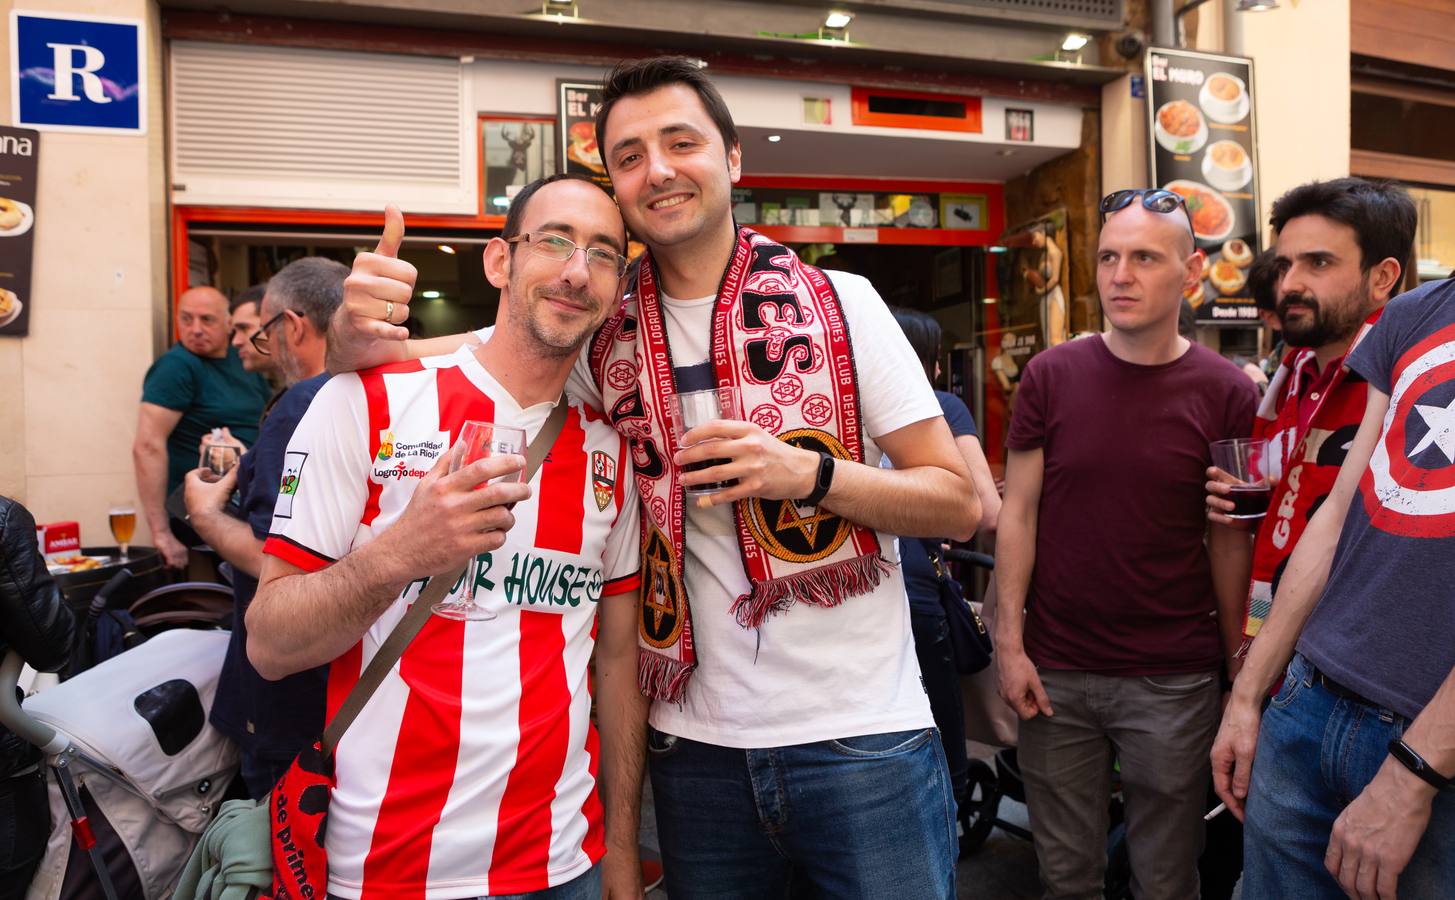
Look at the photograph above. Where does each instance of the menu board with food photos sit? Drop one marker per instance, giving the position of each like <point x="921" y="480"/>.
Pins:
<point x="19" y="153"/>
<point x="1203" y="146"/>
<point x="576" y="106"/>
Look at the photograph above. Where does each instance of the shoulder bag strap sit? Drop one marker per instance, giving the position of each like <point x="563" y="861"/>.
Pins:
<point x="419" y="612"/>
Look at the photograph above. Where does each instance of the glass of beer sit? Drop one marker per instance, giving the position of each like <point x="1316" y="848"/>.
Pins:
<point x="478" y="440"/>
<point x="122" y="517"/>
<point x="689" y="410"/>
<point x="1247" y="460"/>
<point x="218" y="455"/>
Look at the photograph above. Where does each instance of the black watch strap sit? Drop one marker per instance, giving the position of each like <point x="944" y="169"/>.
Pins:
<point x="1416" y="764"/>
<point x="821" y="481"/>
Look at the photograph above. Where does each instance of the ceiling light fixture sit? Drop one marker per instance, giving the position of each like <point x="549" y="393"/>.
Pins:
<point x="774" y="138"/>
<point x="1256" y="5"/>
<point x="560" y="9"/>
<point x="446" y="248"/>
<point x="1074" y="42"/>
<point x="430" y="295"/>
<point x="988" y="301"/>
<point x="835" y="26"/>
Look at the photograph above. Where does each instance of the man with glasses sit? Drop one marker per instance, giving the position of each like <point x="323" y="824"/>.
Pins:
<point x="196" y="386"/>
<point x="1118" y="605"/>
<point x="473" y="769"/>
<point x="269" y="721"/>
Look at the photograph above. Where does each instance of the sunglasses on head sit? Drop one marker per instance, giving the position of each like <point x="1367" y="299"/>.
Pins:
<point x="1154" y="199"/>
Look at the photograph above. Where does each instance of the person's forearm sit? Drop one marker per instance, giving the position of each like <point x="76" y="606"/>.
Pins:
<point x="1015" y="557"/>
<point x="923" y="501"/>
<point x="1298" y="593"/>
<point x="232" y="538"/>
<point x="149" y="459"/>
<point x="622" y="719"/>
<point x="1231" y="555"/>
<point x="1432" y="734"/>
<point x="297" y="622"/>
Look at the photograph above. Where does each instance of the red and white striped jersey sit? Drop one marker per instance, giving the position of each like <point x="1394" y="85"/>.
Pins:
<point x="473" y="768"/>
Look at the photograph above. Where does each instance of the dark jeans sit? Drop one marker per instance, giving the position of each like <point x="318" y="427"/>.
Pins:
<point x="942" y="683"/>
<point x="260" y="773"/>
<point x="25" y="825"/>
<point x="867" y="817"/>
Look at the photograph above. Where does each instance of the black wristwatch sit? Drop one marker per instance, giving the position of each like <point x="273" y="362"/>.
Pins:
<point x="821" y="481"/>
<point x="1416" y="764"/>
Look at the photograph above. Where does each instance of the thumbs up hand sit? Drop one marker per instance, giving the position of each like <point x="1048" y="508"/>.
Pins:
<point x="366" y="329"/>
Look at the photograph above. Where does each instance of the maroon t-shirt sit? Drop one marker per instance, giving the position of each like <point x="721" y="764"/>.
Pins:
<point x="1122" y="583"/>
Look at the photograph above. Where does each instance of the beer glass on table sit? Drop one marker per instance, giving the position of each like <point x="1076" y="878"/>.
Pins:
<point x="1247" y="461"/>
<point x="122" y="517"/>
<point x="479" y="440"/>
<point x="689" y="410"/>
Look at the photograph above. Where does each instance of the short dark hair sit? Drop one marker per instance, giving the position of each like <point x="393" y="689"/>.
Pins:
<point x="923" y="333"/>
<point x="253" y="294"/>
<point x="312" y="286"/>
<point x="1380" y="212"/>
<point x="632" y="78"/>
<point x="1263" y="280"/>
<point x="516" y="213"/>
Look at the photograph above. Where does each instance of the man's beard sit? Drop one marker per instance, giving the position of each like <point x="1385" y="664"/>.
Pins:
<point x="1324" y="325"/>
<point x="557" y="343"/>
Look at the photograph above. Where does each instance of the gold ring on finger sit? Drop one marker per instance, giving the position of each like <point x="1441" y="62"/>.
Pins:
<point x="389" y="311"/>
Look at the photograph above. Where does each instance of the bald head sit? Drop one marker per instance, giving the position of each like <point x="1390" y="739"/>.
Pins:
<point x="203" y="322"/>
<point x="1145" y="262"/>
<point x="1173" y="227"/>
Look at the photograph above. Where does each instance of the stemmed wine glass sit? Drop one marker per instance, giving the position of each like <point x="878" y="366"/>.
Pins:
<point x="122" y="518"/>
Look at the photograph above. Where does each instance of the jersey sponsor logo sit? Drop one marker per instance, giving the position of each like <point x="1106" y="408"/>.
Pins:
<point x="793" y="533"/>
<point x="401" y="459"/>
<point x="386" y="445"/>
<point x="603" y="478"/>
<point x="399" y="471"/>
<point x="293" y="462"/>
<point x="661" y="622"/>
<point x="1409" y="487"/>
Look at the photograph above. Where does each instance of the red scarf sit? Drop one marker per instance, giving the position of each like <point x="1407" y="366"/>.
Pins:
<point x="1310" y="459"/>
<point x="779" y="336"/>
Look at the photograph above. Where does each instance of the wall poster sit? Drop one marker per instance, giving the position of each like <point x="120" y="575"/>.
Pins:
<point x="19" y="156"/>
<point x="576" y="106"/>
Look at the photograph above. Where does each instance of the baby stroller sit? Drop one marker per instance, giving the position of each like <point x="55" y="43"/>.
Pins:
<point x="137" y="771"/>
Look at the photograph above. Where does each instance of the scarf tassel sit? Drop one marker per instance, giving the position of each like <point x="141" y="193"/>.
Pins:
<point x="826" y="586"/>
<point x="662" y="678"/>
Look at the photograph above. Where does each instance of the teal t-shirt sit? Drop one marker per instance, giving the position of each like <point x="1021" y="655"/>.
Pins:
<point x="209" y="393"/>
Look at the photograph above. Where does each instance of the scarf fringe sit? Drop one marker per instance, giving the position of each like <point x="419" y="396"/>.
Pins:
<point x="662" y="678"/>
<point x="826" y="586"/>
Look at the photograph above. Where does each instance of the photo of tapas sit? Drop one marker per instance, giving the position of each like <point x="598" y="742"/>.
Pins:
<point x="581" y="147"/>
<point x="1224" y="98"/>
<point x="10" y="307"/>
<point x="1228" y="278"/>
<point x="1212" y="215"/>
<point x="1180" y="127"/>
<point x="15" y="217"/>
<point x="1226" y="166"/>
<point x="62" y="565"/>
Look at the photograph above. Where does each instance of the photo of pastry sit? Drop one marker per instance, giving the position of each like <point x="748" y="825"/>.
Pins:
<point x="1238" y="253"/>
<point x="1180" y="127"/>
<point x="15" y="217"/>
<point x="1226" y="166"/>
<point x="1195" y="296"/>
<point x="1224" y="98"/>
<point x="10" y="306"/>
<point x="1227" y="278"/>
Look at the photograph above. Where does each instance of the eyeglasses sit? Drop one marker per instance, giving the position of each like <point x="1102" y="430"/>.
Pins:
<point x="259" y="339"/>
<point x="1154" y="199"/>
<point x="553" y="246"/>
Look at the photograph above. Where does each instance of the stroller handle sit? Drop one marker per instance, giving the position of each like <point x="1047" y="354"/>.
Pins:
<point x="18" y="720"/>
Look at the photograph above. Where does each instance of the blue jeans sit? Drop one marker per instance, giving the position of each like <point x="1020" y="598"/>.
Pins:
<point x="859" y="817"/>
<point x="583" y="887"/>
<point x="1316" y="753"/>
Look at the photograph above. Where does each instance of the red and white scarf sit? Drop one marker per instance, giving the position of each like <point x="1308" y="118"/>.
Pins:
<point x="779" y="336"/>
<point x="1310" y="459"/>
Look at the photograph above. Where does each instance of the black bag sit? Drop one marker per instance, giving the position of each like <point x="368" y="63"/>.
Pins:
<point x="969" y="640"/>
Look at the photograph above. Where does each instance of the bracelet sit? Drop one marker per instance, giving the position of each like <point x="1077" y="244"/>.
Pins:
<point x="821" y="481"/>
<point x="1416" y="764"/>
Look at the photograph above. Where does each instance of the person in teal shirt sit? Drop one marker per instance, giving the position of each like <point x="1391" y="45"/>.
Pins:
<point x="196" y="386"/>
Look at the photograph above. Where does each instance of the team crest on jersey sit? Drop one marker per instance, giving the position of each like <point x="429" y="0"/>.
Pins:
<point x="603" y="478"/>
<point x="662" y="613"/>
<point x="793" y="533"/>
<point x="1409" y="487"/>
<point x="293" y="462"/>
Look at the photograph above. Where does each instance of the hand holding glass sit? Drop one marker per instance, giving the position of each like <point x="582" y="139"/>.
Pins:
<point x="1247" y="460"/>
<point x="688" y="411"/>
<point x="479" y="440"/>
<point x="218" y="455"/>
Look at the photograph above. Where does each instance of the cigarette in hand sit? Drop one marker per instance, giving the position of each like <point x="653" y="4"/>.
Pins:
<point x="1215" y="812"/>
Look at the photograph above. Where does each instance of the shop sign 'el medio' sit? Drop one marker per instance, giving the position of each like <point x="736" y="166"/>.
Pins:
<point x="1204" y="141"/>
<point x="78" y="73"/>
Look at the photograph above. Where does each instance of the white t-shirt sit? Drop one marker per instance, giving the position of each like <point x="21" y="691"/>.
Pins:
<point x="809" y="673"/>
<point x="473" y="767"/>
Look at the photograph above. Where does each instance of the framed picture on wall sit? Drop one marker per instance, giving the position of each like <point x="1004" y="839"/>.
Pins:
<point x="513" y="153"/>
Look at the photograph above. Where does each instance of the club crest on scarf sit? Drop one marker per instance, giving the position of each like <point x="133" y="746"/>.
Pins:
<point x="779" y="336"/>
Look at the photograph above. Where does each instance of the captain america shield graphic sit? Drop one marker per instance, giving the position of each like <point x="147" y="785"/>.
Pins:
<point x="1409" y="487"/>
